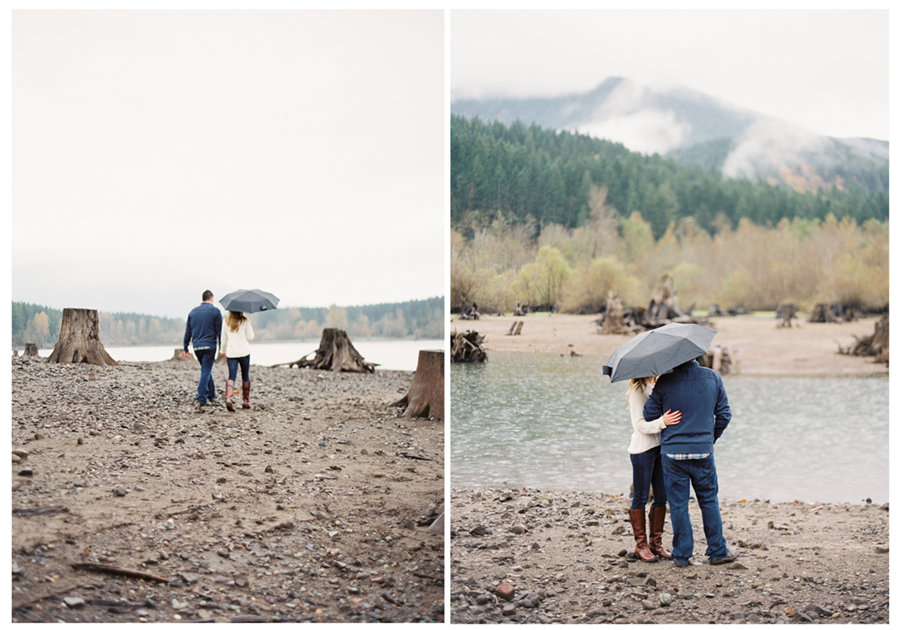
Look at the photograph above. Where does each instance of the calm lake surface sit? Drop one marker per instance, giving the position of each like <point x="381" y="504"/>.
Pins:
<point x="389" y="355"/>
<point x="556" y="423"/>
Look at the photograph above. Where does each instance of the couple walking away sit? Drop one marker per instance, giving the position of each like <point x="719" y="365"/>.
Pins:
<point x="204" y="329"/>
<point x="673" y="453"/>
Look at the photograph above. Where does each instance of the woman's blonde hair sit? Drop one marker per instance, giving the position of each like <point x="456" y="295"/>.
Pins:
<point x="233" y="320"/>
<point x="640" y="384"/>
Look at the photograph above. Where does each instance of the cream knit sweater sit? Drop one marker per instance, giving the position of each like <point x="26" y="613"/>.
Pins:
<point x="646" y="434"/>
<point x="237" y="344"/>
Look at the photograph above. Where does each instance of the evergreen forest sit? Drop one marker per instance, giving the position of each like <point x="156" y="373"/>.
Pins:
<point x="535" y="176"/>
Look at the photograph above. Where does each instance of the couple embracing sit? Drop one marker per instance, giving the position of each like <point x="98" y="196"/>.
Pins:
<point x="673" y="453"/>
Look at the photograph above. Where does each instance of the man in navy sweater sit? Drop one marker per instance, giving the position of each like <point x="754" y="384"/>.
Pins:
<point x="687" y="455"/>
<point x="204" y="328"/>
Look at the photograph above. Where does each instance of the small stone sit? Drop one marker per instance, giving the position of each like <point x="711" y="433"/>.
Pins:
<point x="650" y="604"/>
<point x="26" y="472"/>
<point x="509" y="610"/>
<point x="506" y="591"/>
<point x="240" y="580"/>
<point x="665" y="599"/>
<point x="269" y="469"/>
<point x="119" y="492"/>
<point x="478" y="530"/>
<point x="517" y="529"/>
<point x="21" y="453"/>
<point x="73" y="602"/>
<point x="483" y="599"/>
<point x="187" y="578"/>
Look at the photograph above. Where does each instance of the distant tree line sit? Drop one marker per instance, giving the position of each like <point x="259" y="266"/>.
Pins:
<point x="536" y="177"/>
<point x="32" y="323"/>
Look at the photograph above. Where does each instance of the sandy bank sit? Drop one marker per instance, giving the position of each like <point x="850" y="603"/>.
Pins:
<point x="565" y="558"/>
<point x="311" y="506"/>
<point x="758" y="344"/>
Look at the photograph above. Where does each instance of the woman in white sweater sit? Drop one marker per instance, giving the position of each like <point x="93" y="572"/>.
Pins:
<point x="647" y="471"/>
<point x="236" y="336"/>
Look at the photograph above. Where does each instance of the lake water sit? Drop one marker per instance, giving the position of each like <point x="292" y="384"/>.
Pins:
<point x="556" y="423"/>
<point x="400" y="354"/>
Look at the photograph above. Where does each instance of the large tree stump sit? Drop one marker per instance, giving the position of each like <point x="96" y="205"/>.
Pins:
<point x="179" y="356"/>
<point x="876" y="345"/>
<point x="79" y="339"/>
<point x="466" y="347"/>
<point x="31" y="350"/>
<point x="335" y="353"/>
<point x="425" y="398"/>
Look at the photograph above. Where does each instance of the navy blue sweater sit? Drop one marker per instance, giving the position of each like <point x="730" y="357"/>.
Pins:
<point x="698" y="393"/>
<point x="204" y="326"/>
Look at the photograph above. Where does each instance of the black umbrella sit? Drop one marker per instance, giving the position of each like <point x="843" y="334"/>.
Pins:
<point x="657" y="351"/>
<point x="249" y="301"/>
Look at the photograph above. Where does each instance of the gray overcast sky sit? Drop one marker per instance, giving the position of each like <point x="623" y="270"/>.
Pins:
<point x="825" y="70"/>
<point x="160" y="153"/>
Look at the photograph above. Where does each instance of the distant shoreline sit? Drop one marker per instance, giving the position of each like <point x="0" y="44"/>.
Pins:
<point x="757" y="344"/>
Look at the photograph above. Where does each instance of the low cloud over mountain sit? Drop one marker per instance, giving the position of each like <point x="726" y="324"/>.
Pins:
<point x="691" y="127"/>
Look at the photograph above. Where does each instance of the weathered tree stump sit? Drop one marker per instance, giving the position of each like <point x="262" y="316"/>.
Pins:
<point x="335" y="353"/>
<point x="875" y="345"/>
<point x="614" y="320"/>
<point x="466" y="347"/>
<point x="719" y="358"/>
<point x="179" y="356"/>
<point x="425" y="398"/>
<point x="31" y="350"/>
<point x="79" y="339"/>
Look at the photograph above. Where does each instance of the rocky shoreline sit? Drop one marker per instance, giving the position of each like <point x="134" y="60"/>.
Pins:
<point x="314" y="505"/>
<point x="526" y="556"/>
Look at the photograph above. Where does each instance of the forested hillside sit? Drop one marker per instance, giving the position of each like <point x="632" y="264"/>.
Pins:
<point x="559" y="220"/>
<point x="540" y="177"/>
<point x="424" y="319"/>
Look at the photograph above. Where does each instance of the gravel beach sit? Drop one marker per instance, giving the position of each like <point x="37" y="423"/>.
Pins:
<point x="314" y="505"/>
<point x="525" y="556"/>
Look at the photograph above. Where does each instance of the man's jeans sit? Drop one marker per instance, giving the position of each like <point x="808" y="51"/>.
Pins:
<point x="680" y="475"/>
<point x="206" y="391"/>
<point x="647" y="471"/>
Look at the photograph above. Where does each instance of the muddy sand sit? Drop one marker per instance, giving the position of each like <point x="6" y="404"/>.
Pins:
<point x="526" y="556"/>
<point x="314" y="505"/>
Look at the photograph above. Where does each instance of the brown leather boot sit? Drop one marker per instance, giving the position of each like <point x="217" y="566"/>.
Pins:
<point x="657" y="524"/>
<point x="229" y="392"/>
<point x="246" y="392"/>
<point x="639" y="525"/>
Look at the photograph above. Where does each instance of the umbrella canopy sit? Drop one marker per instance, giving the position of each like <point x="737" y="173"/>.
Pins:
<point x="654" y="352"/>
<point x="249" y="301"/>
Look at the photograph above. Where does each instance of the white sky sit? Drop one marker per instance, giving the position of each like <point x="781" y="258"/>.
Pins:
<point x="825" y="70"/>
<point x="156" y="154"/>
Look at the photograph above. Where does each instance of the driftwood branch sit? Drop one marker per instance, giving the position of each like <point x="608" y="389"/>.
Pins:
<point x="115" y="570"/>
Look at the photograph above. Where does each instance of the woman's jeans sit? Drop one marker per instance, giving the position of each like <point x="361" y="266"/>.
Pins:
<point x="647" y="471"/>
<point x="233" y="364"/>
<point x="701" y="474"/>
